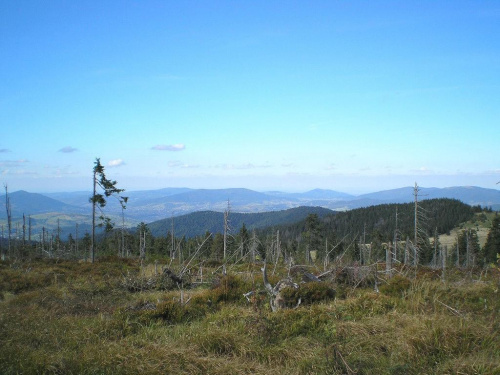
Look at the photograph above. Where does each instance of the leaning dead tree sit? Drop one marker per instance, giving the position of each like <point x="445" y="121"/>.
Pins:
<point x="168" y="279"/>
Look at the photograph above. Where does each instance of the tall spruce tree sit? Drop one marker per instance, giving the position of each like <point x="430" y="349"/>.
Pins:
<point x="468" y="248"/>
<point x="312" y="235"/>
<point x="98" y="200"/>
<point x="491" y="250"/>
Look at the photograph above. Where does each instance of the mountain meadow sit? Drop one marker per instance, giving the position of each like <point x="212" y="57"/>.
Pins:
<point x="395" y="288"/>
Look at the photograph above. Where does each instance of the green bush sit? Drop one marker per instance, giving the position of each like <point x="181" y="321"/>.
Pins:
<point x="396" y="286"/>
<point x="229" y="288"/>
<point x="308" y="293"/>
<point x="316" y="292"/>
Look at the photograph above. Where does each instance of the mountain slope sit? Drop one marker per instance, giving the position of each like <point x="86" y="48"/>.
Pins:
<point x="197" y="223"/>
<point x="379" y="222"/>
<point x="471" y="195"/>
<point x="152" y="205"/>
<point x="22" y="202"/>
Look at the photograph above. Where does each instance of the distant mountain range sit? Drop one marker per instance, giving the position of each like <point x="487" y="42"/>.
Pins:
<point x="153" y="205"/>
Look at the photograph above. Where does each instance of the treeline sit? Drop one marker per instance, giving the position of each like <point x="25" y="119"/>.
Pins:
<point x="197" y="223"/>
<point x="382" y="221"/>
<point x="360" y="236"/>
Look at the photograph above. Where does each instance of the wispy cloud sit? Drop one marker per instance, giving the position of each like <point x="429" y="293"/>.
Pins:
<point x="174" y="147"/>
<point x="179" y="164"/>
<point x="20" y="172"/>
<point x="68" y="149"/>
<point x="116" y="163"/>
<point x="422" y="170"/>
<point x="241" y="166"/>
<point x="4" y="150"/>
<point x="14" y="167"/>
<point x="13" y="163"/>
<point x="64" y="171"/>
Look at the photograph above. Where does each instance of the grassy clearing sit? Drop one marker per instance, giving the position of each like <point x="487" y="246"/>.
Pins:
<point x="86" y="322"/>
<point x="481" y="223"/>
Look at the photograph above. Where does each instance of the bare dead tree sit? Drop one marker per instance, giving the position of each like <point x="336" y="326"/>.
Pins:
<point x="29" y="229"/>
<point x="395" y="255"/>
<point x="436" y="240"/>
<point x="76" y="239"/>
<point x="226" y="228"/>
<point x="24" y="231"/>
<point x="172" y="245"/>
<point x="388" y="261"/>
<point x="58" y="238"/>
<point x="278" y="251"/>
<point x="443" y="262"/>
<point x="254" y="246"/>
<point x="363" y="248"/>
<point x="9" y="221"/>
<point x="420" y="233"/>
<point x="415" y="242"/>
<point x="123" y="233"/>
<point x="467" y="249"/>
<point x="328" y="252"/>
<point x="142" y="244"/>
<point x="406" y="256"/>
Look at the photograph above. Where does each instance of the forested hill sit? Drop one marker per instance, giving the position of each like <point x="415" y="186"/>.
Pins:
<point x="380" y="221"/>
<point x="198" y="223"/>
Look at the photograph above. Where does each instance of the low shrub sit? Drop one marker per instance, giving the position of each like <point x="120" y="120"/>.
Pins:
<point x="308" y="293"/>
<point x="229" y="288"/>
<point x="396" y="286"/>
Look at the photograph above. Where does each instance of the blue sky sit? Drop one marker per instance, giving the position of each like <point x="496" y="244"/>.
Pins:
<point x="355" y="96"/>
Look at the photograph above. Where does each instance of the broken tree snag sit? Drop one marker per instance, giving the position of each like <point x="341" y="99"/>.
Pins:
<point x="277" y="298"/>
<point x="179" y="280"/>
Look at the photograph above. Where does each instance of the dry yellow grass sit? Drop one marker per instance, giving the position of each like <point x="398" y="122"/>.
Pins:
<point x="89" y="325"/>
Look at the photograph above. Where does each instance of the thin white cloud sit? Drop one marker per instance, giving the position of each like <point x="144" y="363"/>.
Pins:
<point x="241" y="166"/>
<point x="13" y="163"/>
<point x="174" y="163"/>
<point x="174" y="147"/>
<point x="116" y="163"/>
<point x="19" y="172"/>
<point x="68" y="149"/>
<point x="422" y="171"/>
<point x="15" y="168"/>
<point x="179" y="164"/>
<point x="61" y="172"/>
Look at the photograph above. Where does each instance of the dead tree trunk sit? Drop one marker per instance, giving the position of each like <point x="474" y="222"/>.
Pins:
<point x="388" y="261"/>
<point x="276" y="298"/>
<point x="9" y="222"/>
<point x="226" y="229"/>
